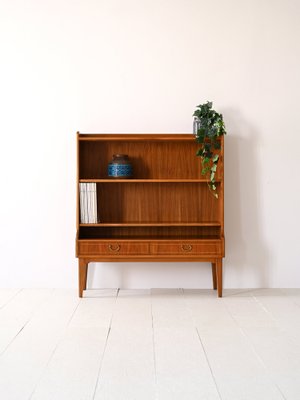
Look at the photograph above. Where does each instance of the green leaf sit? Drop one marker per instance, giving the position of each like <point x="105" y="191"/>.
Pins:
<point x="214" y="168"/>
<point x="215" y="158"/>
<point x="200" y="138"/>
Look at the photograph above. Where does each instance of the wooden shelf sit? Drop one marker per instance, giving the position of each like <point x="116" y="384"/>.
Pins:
<point x="146" y="137"/>
<point x="108" y="180"/>
<point x="140" y="224"/>
<point x="142" y="238"/>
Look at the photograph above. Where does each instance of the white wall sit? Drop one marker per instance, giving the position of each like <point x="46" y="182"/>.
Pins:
<point x="143" y="66"/>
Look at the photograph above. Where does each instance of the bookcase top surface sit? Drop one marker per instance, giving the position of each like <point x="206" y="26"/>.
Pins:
<point x="136" y="136"/>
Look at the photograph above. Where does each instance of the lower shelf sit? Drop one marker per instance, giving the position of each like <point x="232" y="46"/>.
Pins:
<point x="150" y="232"/>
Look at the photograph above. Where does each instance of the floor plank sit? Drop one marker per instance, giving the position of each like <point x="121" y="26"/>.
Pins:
<point x="207" y="311"/>
<point x="72" y="372"/>
<point x="127" y="370"/>
<point x="133" y="309"/>
<point x="179" y="355"/>
<point x="284" y="309"/>
<point x="271" y="324"/>
<point x="17" y="312"/>
<point x="23" y="363"/>
<point x="6" y="295"/>
<point x="182" y="370"/>
<point x="169" y="309"/>
<point x="238" y="371"/>
<point x="279" y="351"/>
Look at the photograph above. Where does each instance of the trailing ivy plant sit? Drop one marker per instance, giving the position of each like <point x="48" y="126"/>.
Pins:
<point x="208" y="127"/>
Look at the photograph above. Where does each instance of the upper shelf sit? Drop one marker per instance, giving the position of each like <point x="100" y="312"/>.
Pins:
<point x="112" y="180"/>
<point x="154" y="158"/>
<point x="136" y="137"/>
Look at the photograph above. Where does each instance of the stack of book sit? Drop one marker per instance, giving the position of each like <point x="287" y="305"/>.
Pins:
<point x="88" y="203"/>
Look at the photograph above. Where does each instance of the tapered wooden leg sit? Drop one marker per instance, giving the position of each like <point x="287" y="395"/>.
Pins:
<point x="219" y="274"/>
<point x="82" y="275"/>
<point x="214" y="275"/>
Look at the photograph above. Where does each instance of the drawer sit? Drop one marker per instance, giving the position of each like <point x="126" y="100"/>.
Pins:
<point x="185" y="248"/>
<point x="112" y="248"/>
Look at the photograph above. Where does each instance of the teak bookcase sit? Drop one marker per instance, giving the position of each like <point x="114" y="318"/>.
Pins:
<point x="165" y="212"/>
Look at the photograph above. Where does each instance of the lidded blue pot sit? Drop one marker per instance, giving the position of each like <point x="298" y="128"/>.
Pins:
<point x="120" y="167"/>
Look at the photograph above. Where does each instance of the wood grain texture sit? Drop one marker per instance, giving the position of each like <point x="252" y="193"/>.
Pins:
<point x="82" y="275"/>
<point x="157" y="203"/>
<point x="150" y="248"/>
<point x="214" y="275"/>
<point x="219" y="272"/>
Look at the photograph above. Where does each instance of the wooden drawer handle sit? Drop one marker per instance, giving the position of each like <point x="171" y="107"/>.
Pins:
<point x="186" y="247"/>
<point x="114" y="248"/>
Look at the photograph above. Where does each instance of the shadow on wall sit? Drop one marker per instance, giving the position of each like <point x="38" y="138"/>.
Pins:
<point x="247" y="258"/>
<point x="247" y="262"/>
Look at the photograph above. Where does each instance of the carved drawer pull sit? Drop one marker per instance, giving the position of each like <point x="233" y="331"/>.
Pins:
<point x="114" y="248"/>
<point x="186" y="247"/>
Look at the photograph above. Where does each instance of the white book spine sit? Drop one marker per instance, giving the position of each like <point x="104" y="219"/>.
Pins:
<point x="81" y="203"/>
<point x="95" y="203"/>
<point x="85" y="220"/>
<point x="91" y="203"/>
<point x="88" y="193"/>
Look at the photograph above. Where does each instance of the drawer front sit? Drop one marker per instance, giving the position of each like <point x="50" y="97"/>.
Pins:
<point x="113" y="248"/>
<point x="187" y="248"/>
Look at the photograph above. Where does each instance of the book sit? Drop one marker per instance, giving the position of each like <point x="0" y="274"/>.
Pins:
<point x="96" y="204"/>
<point x="88" y="203"/>
<point x="81" y="200"/>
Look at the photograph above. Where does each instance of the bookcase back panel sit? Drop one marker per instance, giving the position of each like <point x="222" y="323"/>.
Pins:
<point x="156" y="202"/>
<point x="150" y="160"/>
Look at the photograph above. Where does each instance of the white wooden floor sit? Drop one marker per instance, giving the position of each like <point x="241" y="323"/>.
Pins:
<point x="156" y="345"/>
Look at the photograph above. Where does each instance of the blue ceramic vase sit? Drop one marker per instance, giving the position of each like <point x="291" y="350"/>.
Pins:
<point x="120" y="167"/>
